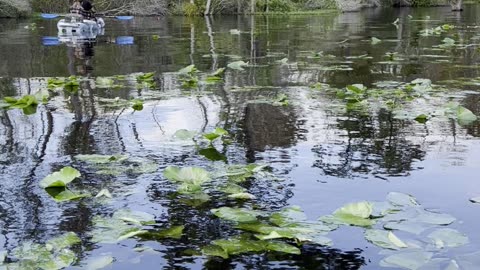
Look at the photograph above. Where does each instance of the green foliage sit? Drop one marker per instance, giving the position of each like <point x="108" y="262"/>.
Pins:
<point x="275" y="5"/>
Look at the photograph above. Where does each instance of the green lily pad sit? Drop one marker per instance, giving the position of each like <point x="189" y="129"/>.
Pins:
<point x="446" y="237"/>
<point x="237" y="65"/>
<point x="242" y="196"/>
<point x="288" y="216"/>
<point x="434" y="218"/>
<point x="174" y="232"/>
<point x="98" y="262"/>
<point x="35" y="256"/>
<point x="232" y="188"/>
<point x="64" y="241"/>
<point x="184" y="135"/>
<point x="465" y="116"/>
<point x="134" y="217"/>
<point x="191" y="175"/>
<point x="218" y="132"/>
<point x="216" y="251"/>
<point x="411" y="260"/>
<point x="239" y="245"/>
<point x="211" y="153"/>
<point x="375" y="41"/>
<point x="401" y="199"/>
<point x="356" y="214"/>
<point x="60" y="178"/>
<point x="123" y="225"/>
<point x="188" y="70"/>
<point x="384" y="239"/>
<point x="236" y="214"/>
<point x="380" y="209"/>
<point x="104" y="193"/>
<point x="407" y="226"/>
<point x="282" y="247"/>
<point x="131" y="233"/>
<point x="64" y="194"/>
<point x="101" y="159"/>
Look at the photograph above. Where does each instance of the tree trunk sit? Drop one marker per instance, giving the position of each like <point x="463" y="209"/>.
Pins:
<point x="207" y="7"/>
<point x="252" y="6"/>
<point x="457" y="6"/>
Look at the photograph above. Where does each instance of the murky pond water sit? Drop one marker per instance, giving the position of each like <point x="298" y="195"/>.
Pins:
<point x="324" y="145"/>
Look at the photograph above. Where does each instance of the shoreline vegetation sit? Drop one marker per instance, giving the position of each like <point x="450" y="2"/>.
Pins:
<point x="29" y="8"/>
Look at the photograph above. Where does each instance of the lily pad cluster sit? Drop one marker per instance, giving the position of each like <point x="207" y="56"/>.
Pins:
<point x="413" y="234"/>
<point x="118" y="164"/>
<point x="412" y="237"/>
<point x="54" y="254"/>
<point x="395" y="97"/>
<point x="28" y="103"/>
<point x="189" y="76"/>
<point x="146" y="80"/>
<point x="126" y="223"/>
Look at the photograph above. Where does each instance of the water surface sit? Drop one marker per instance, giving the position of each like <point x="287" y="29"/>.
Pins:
<point x="325" y="156"/>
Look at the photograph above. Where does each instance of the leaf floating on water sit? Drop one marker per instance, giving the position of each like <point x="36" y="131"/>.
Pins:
<point x="236" y="214"/>
<point x="211" y="153"/>
<point x="134" y="217"/>
<point x="174" y="232"/>
<point x="380" y="209"/>
<point x="448" y="238"/>
<point x="214" y="250"/>
<point x="288" y="216"/>
<point x="238" y="245"/>
<point x="36" y="256"/>
<point x="411" y="260"/>
<point x="60" y="178"/>
<point x="131" y="233"/>
<point x="98" y="262"/>
<point x="407" y="226"/>
<point x="235" y="32"/>
<point x="384" y="239"/>
<point x="422" y="118"/>
<point x="101" y="159"/>
<point x="465" y="116"/>
<point x="137" y="105"/>
<point x="188" y="70"/>
<point x="63" y="194"/>
<point x="375" y="41"/>
<point x="475" y="200"/>
<point x="63" y="241"/>
<point x="191" y="175"/>
<point x="104" y="193"/>
<point x="232" y="188"/>
<point x="282" y="247"/>
<point x="356" y="214"/>
<point x="242" y="196"/>
<point x="184" y="134"/>
<point x="402" y="199"/>
<point x="237" y="65"/>
<point x="434" y="218"/>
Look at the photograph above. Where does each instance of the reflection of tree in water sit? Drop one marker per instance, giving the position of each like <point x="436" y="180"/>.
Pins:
<point x="374" y="145"/>
<point x="312" y="257"/>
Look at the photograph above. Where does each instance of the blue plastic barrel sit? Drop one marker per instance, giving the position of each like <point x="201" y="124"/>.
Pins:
<point x="124" y="40"/>
<point x="49" y="16"/>
<point x="50" y="41"/>
<point x="124" y="18"/>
